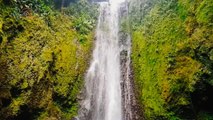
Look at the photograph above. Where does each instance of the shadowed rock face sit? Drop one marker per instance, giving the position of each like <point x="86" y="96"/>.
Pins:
<point x="131" y="109"/>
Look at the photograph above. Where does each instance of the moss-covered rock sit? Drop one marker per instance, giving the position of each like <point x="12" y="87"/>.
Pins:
<point x="42" y="64"/>
<point x="172" y="47"/>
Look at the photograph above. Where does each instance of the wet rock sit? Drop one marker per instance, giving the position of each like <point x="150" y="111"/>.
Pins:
<point x="131" y="108"/>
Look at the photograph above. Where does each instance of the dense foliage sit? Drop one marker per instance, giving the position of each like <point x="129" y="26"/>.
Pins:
<point x="44" y="54"/>
<point x="173" y="57"/>
<point x="29" y="7"/>
<point x="43" y="58"/>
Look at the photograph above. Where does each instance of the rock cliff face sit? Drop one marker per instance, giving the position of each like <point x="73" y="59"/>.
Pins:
<point x="131" y="108"/>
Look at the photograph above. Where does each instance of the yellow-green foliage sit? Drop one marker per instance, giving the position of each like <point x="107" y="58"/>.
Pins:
<point x="1" y="22"/>
<point x="44" y="62"/>
<point x="167" y="54"/>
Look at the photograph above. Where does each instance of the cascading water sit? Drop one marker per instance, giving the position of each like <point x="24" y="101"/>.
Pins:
<point x="103" y="85"/>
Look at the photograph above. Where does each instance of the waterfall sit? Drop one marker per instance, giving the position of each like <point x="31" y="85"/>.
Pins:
<point x="103" y="82"/>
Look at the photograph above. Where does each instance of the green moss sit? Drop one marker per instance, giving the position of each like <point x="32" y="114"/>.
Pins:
<point x="45" y="61"/>
<point x="204" y="12"/>
<point x="169" y="47"/>
<point x="1" y="23"/>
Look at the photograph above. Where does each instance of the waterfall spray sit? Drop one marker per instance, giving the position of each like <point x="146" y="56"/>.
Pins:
<point x="103" y="95"/>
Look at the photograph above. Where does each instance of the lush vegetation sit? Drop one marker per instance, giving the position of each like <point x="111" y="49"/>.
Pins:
<point x="173" y="57"/>
<point x="45" y="47"/>
<point x="43" y="56"/>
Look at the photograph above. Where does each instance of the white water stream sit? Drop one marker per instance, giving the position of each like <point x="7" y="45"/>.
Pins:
<point x="103" y="97"/>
